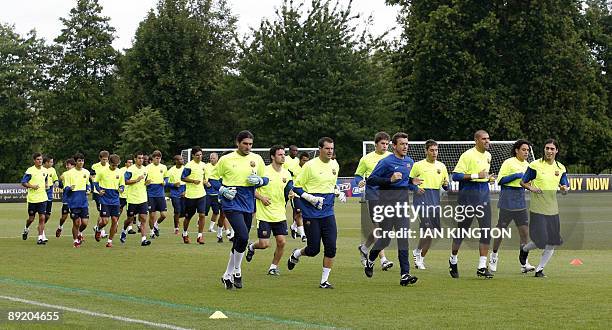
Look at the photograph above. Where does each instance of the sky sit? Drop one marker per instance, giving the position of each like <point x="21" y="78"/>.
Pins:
<point x="43" y="15"/>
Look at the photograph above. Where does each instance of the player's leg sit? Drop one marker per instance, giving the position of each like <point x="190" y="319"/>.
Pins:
<point x="484" y="223"/>
<point x="142" y="216"/>
<point x="42" y="211"/>
<point x="201" y="209"/>
<point x="553" y="239"/>
<point x="329" y="236"/>
<point x="463" y="222"/>
<point x="240" y="222"/>
<point x="176" y="210"/>
<point x="312" y="229"/>
<point x="264" y="230"/>
<point x="31" y="214"/>
<point x="521" y="219"/>
<point x="76" y="223"/>
<point x="63" y="217"/>
<point x="505" y="217"/>
<point x="280" y="232"/>
<point x="49" y="207"/>
<point x="384" y="226"/>
<point x="190" y="211"/>
<point x="427" y="225"/>
<point x="131" y="213"/>
<point x="152" y="203"/>
<point x="402" y="224"/>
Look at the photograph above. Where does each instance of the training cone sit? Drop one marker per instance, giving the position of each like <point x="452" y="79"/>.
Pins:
<point x="576" y="262"/>
<point x="217" y="315"/>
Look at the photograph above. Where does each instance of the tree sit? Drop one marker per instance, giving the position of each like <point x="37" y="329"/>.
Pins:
<point x="23" y="89"/>
<point x="308" y="74"/>
<point x="84" y="113"/>
<point x="178" y="65"/>
<point x="136" y="133"/>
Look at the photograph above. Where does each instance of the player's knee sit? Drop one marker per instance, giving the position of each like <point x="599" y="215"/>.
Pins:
<point x="280" y="243"/>
<point x="485" y="239"/>
<point x="312" y="251"/>
<point x="330" y="252"/>
<point x="264" y="244"/>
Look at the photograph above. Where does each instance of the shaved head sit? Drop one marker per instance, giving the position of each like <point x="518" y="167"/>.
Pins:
<point x="480" y="133"/>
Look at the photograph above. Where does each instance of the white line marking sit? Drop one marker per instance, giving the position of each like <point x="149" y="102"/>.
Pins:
<point x="86" y="312"/>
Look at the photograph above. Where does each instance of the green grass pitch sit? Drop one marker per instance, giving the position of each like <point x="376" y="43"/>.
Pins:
<point x="177" y="284"/>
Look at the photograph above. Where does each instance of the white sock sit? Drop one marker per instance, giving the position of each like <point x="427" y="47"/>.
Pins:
<point x="128" y="228"/>
<point x="103" y="232"/>
<point x="300" y="231"/>
<point x="529" y="246"/>
<point x="294" y="226"/>
<point x="417" y="251"/>
<point x="546" y="255"/>
<point x="453" y="259"/>
<point x="26" y="229"/>
<point x="383" y="260"/>
<point x="156" y="225"/>
<point x="44" y="236"/>
<point x="143" y="238"/>
<point x="61" y="227"/>
<point x="199" y="235"/>
<point x="325" y="274"/>
<point x="176" y="229"/>
<point x="238" y="262"/>
<point x="363" y="248"/>
<point x="96" y="228"/>
<point x="482" y="262"/>
<point x="251" y="247"/>
<point x="230" y="266"/>
<point x="273" y="266"/>
<point x="109" y="240"/>
<point x="219" y="232"/>
<point x="185" y="233"/>
<point x="80" y="233"/>
<point x="493" y="255"/>
<point x="298" y="253"/>
<point x="76" y="240"/>
<point x="228" y="233"/>
<point x="40" y="237"/>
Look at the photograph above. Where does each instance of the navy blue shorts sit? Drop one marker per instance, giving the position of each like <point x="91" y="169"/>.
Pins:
<point x="49" y="208"/>
<point x="506" y="216"/>
<point x="157" y="204"/>
<point x="122" y="202"/>
<point x="431" y="222"/>
<point x="195" y="205"/>
<point x="212" y="201"/>
<point x="40" y="208"/>
<point x="109" y="211"/>
<point x="265" y="228"/>
<point x="134" y="209"/>
<point x="482" y="213"/>
<point x="321" y="230"/>
<point x="65" y="209"/>
<point x="79" y="213"/>
<point x="545" y="229"/>
<point x="178" y="204"/>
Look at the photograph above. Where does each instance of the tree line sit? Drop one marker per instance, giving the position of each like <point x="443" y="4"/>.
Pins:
<point x="519" y="69"/>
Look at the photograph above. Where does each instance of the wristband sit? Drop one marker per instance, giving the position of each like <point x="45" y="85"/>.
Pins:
<point x="474" y="176"/>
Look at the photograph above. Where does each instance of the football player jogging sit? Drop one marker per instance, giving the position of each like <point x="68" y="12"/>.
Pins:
<point x="35" y="180"/>
<point x="472" y="173"/>
<point x="222" y="223"/>
<point x="292" y="164"/>
<point x="135" y="177"/>
<point x="366" y="165"/>
<point x="123" y="193"/>
<point x="392" y="177"/>
<point x="512" y="205"/>
<point x="52" y="182"/>
<point x="434" y="176"/>
<point x="194" y="175"/>
<point x="212" y="192"/>
<point x="177" y="191"/>
<point x="240" y="172"/>
<point x="543" y="178"/>
<point x="271" y="214"/>
<point x="157" y="175"/>
<point x="69" y="163"/>
<point x="109" y="184"/>
<point x="95" y="168"/>
<point x="315" y="186"/>
<point x="77" y="187"/>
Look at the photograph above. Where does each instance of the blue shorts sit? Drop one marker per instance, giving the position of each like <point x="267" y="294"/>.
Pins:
<point x="506" y="216"/>
<point x="157" y="204"/>
<point x="431" y="222"/>
<point x="65" y="209"/>
<point x="265" y="228"/>
<point x="195" y="205"/>
<point x="96" y="198"/>
<point x="545" y="229"/>
<point x="49" y="207"/>
<point x="40" y="208"/>
<point x="122" y="202"/>
<point x="109" y="211"/>
<point x="79" y="213"/>
<point x="178" y="204"/>
<point x="134" y="209"/>
<point x="212" y="201"/>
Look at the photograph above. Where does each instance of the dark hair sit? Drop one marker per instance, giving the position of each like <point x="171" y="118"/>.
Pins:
<point x="36" y="155"/>
<point x="430" y="143"/>
<point x="138" y="153"/>
<point x="293" y="146"/>
<point x="323" y="140"/>
<point x="195" y="150"/>
<point x="47" y="158"/>
<point x="518" y="144"/>
<point x="397" y="136"/>
<point x="244" y="135"/>
<point x="156" y="153"/>
<point x="103" y="154"/>
<point x="114" y="159"/>
<point x="303" y="154"/>
<point x="553" y="141"/>
<point x="128" y="157"/>
<point x="70" y="161"/>
<point x="78" y="156"/>
<point x="381" y="136"/>
<point x="274" y="149"/>
<point x="176" y="157"/>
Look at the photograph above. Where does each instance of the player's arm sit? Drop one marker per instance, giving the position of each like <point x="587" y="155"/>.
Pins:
<point x="258" y="180"/>
<point x="185" y="174"/>
<point x="445" y="183"/>
<point x="505" y="177"/>
<point x="25" y="181"/>
<point x="564" y="183"/>
<point x="360" y="172"/>
<point x="129" y="180"/>
<point x="461" y="171"/>
<point x="529" y="175"/>
<point x="383" y="175"/>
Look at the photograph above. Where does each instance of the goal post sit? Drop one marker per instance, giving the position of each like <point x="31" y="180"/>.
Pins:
<point x="263" y="152"/>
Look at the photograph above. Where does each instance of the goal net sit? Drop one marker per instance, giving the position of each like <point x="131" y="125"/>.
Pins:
<point x="450" y="151"/>
<point x="263" y="152"/>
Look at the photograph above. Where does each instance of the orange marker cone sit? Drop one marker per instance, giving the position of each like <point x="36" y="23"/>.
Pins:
<point x="576" y="262"/>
